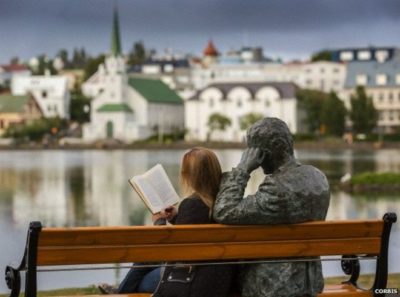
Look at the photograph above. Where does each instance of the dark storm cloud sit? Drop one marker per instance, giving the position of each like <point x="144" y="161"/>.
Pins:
<point x="283" y="26"/>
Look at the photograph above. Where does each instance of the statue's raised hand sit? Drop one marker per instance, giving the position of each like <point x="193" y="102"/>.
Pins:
<point x="251" y="159"/>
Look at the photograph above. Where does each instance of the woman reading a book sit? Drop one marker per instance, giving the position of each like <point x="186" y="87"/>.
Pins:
<point x="200" y="177"/>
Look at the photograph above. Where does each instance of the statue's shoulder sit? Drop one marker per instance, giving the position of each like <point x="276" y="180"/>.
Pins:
<point x="305" y="176"/>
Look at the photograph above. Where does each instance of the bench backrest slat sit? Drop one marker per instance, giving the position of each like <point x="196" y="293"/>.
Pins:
<point x="95" y="245"/>
<point x="206" y="233"/>
<point x="206" y="251"/>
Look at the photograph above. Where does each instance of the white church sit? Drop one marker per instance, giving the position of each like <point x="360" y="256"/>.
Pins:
<point x="129" y="109"/>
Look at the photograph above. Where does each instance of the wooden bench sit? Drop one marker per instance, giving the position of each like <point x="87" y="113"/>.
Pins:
<point x="98" y="245"/>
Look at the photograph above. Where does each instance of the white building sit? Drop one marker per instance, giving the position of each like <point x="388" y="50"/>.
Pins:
<point x="8" y="72"/>
<point x="126" y="108"/>
<point x="381" y="81"/>
<point x="235" y="100"/>
<point x="324" y="76"/>
<point x="50" y="92"/>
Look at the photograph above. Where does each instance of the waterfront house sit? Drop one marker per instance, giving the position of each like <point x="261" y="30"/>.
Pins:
<point x="8" y="72"/>
<point x="15" y="110"/>
<point x="236" y="100"/>
<point x="381" y="81"/>
<point x="50" y="92"/>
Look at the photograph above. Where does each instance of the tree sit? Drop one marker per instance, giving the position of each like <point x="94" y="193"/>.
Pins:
<point x="322" y="56"/>
<point x="311" y="102"/>
<point x="322" y="110"/>
<point x="249" y="119"/>
<point x="44" y="63"/>
<point x="92" y="65"/>
<point x="138" y="54"/>
<point x="217" y="121"/>
<point x="80" y="107"/>
<point x="79" y="58"/>
<point x="63" y="55"/>
<point x="363" y="113"/>
<point x="14" y="61"/>
<point x="333" y="115"/>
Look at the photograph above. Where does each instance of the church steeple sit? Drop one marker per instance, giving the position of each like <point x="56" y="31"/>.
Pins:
<point x="115" y="36"/>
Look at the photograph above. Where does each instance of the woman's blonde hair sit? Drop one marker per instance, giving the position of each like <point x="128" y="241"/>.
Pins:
<point x="201" y="174"/>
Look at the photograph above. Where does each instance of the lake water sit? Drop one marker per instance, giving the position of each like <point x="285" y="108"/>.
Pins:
<point x="90" y="188"/>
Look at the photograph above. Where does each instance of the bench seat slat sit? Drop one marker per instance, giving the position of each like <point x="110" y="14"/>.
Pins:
<point x="330" y="290"/>
<point x="70" y="255"/>
<point x="214" y="233"/>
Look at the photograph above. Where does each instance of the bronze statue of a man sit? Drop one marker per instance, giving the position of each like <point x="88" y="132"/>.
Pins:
<point x="290" y="193"/>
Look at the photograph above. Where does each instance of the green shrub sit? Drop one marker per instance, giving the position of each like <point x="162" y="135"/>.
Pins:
<point x="369" y="178"/>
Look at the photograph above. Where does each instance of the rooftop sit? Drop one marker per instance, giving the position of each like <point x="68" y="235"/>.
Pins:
<point x="285" y="89"/>
<point x="155" y="91"/>
<point x="12" y="104"/>
<point x="115" y="107"/>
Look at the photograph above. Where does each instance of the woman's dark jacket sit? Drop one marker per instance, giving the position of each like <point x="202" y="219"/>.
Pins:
<point x="198" y="281"/>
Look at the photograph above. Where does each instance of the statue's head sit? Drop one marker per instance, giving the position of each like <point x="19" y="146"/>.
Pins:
<point x="271" y="135"/>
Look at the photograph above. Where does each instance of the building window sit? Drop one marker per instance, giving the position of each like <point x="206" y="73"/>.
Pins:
<point x="381" y="56"/>
<point x="381" y="79"/>
<point x="44" y="94"/>
<point x="322" y="70"/>
<point x="267" y="103"/>
<point x="364" y="55"/>
<point x="211" y="102"/>
<point x="381" y="97"/>
<point x="390" y="97"/>
<point x="309" y="82"/>
<point x="361" y="79"/>
<point x="391" y="116"/>
<point x="346" y="56"/>
<point x="239" y="103"/>
<point x="335" y="70"/>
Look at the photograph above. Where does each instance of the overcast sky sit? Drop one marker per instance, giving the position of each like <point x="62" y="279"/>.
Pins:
<point x="284" y="28"/>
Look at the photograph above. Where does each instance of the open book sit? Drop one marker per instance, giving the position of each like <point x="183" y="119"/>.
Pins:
<point x="155" y="189"/>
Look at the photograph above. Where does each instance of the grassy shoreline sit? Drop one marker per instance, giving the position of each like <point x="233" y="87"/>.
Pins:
<point x="364" y="281"/>
<point x="373" y="182"/>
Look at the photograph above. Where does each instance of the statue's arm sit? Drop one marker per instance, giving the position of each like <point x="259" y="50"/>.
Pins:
<point x="231" y="207"/>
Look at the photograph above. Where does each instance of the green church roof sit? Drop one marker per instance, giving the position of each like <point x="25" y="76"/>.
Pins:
<point x="155" y="91"/>
<point x="115" y="36"/>
<point x="115" y="107"/>
<point x="12" y="104"/>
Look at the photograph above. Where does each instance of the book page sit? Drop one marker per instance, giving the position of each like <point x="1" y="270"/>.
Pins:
<point x="155" y="189"/>
<point x="159" y="181"/>
<point x="147" y="194"/>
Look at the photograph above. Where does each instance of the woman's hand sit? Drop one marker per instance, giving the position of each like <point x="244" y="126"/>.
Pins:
<point x="168" y="213"/>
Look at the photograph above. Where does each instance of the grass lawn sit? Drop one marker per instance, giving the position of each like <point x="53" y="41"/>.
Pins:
<point x="364" y="281"/>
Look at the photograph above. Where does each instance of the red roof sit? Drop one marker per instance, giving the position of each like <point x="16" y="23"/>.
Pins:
<point x="210" y="50"/>
<point x="14" y="67"/>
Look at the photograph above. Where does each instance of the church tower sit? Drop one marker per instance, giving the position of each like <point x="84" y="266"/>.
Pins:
<point x="115" y="62"/>
<point x="210" y="54"/>
<point x="115" y="36"/>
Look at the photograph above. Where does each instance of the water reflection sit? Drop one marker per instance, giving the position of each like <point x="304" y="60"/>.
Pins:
<point x="85" y="188"/>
